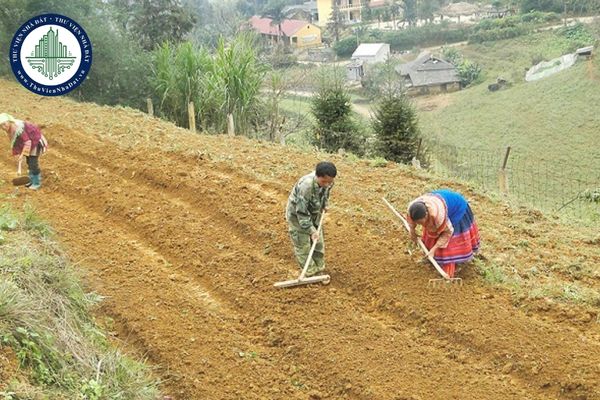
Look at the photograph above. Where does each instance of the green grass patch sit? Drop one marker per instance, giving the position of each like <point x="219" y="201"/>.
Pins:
<point x="493" y="274"/>
<point x="529" y="284"/>
<point x="549" y="125"/>
<point x="379" y="162"/>
<point x="296" y="104"/>
<point x="45" y="318"/>
<point x="510" y="58"/>
<point x="567" y="293"/>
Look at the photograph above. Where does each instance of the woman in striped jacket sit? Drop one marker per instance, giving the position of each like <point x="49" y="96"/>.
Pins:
<point x="449" y="228"/>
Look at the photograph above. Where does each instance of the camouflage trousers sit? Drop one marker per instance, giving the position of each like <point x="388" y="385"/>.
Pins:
<point x="301" y="242"/>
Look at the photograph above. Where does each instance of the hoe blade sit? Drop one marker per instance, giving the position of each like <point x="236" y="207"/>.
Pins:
<point x="21" y="181"/>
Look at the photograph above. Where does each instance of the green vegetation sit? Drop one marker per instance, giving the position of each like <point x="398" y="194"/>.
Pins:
<point x="468" y="71"/>
<point x="345" y="47"/>
<point x="505" y="28"/>
<point x="577" y="35"/>
<point x="45" y="319"/>
<point x="487" y="30"/>
<point x="579" y="6"/>
<point x="567" y="292"/>
<point x="335" y="128"/>
<point x="511" y="58"/>
<point x="176" y="21"/>
<point x="221" y="84"/>
<point x="547" y="123"/>
<point x="529" y="284"/>
<point x="296" y="104"/>
<point x="549" y="111"/>
<point x="395" y="126"/>
<point x="423" y="36"/>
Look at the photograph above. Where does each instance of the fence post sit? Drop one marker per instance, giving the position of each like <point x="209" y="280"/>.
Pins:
<point x="150" y="106"/>
<point x="192" y="116"/>
<point x="415" y="160"/>
<point x="503" y="175"/>
<point x="230" y="125"/>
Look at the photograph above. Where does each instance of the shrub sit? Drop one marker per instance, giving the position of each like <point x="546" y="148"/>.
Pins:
<point x="335" y="128"/>
<point x="45" y="319"/>
<point x="345" y="47"/>
<point x="395" y="125"/>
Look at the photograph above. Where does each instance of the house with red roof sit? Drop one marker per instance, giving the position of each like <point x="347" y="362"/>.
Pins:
<point x="294" y="32"/>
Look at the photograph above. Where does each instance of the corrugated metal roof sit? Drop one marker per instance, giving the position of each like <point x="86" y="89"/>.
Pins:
<point x="428" y="78"/>
<point x="427" y="70"/>
<point x="404" y="69"/>
<point x="368" y="49"/>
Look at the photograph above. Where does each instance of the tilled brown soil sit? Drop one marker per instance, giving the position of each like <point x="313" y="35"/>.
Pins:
<point x="185" y="235"/>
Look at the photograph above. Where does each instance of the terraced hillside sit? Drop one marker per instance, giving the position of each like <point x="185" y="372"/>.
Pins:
<point x="185" y="234"/>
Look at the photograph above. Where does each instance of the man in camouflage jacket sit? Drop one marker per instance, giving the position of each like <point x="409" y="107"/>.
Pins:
<point x="307" y="201"/>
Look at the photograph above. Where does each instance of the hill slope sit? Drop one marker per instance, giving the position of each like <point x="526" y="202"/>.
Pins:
<point x="551" y="125"/>
<point x="554" y="119"/>
<point x="185" y="236"/>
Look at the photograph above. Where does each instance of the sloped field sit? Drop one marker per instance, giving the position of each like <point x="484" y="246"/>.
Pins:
<point x="185" y="235"/>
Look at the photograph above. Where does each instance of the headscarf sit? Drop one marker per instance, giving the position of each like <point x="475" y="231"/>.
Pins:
<point x="4" y="117"/>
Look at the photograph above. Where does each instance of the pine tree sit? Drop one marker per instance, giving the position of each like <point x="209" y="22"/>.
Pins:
<point x="335" y="128"/>
<point x="395" y="125"/>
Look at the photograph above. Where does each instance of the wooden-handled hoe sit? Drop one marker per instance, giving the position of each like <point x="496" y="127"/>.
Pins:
<point x="432" y="282"/>
<point x="302" y="280"/>
<point x="20" y="180"/>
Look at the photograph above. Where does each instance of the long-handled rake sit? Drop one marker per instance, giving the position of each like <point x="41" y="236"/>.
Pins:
<point x="433" y="282"/>
<point x="301" y="279"/>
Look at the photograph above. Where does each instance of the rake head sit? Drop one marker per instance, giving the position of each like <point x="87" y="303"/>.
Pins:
<point x="451" y="283"/>
<point x="323" y="279"/>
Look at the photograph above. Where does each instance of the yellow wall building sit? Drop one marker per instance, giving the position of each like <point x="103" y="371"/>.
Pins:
<point x="295" y="33"/>
<point x="307" y="36"/>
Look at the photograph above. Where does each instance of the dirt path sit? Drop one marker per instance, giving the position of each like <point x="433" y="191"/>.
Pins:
<point x="184" y="235"/>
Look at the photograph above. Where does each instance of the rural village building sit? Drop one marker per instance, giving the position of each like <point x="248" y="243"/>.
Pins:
<point x="429" y="74"/>
<point x="295" y="33"/>
<point x="366" y="53"/>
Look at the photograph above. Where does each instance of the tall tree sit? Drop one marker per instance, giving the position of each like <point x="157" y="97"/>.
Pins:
<point x="331" y="107"/>
<point x="275" y="11"/>
<point x="396" y="128"/>
<point x="157" y="21"/>
<point x="220" y="19"/>
<point x="336" y="22"/>
<point x="394" y="9"/>
<point x="426" y="9"/>
<point x="367" y="13"/>
<point x="410" y="12"/>
<point x="12" y="14"/>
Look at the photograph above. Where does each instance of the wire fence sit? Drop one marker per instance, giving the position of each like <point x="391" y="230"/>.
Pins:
<point x="562" y="188"/>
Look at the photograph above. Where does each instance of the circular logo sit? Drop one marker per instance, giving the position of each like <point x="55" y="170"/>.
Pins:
<point x="50" y="55"/>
